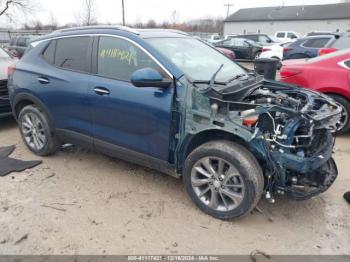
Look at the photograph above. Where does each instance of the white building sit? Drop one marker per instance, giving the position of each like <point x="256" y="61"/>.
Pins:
<point x="302" y="19"/>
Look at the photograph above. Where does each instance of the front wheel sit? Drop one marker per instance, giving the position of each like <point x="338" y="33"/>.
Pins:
<point x="343" y="125"/>
<point x="223" y="179"/>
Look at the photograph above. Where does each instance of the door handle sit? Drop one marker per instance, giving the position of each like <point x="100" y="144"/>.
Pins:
<point x="43" y="80"/>
<point x="101" y="91"/>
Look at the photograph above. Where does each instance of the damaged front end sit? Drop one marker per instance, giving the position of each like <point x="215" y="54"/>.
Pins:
<point x="290" y="130"/>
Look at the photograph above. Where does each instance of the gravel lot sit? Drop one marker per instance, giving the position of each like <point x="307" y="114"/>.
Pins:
<point x="80" y="202"/>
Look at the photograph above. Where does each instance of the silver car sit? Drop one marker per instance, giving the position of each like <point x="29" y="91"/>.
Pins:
<point x="5" y="61"/>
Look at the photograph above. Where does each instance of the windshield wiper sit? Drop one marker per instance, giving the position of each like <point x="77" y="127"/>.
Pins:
<point x="211" y="82"/>
<point x="236" y="77"/>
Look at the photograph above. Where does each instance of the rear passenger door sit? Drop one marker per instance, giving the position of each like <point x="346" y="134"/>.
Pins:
<point x="127" y="119"/>
<point x="63" y="82"/>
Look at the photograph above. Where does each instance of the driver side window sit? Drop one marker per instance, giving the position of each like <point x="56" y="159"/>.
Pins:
<point x="119" y="59"/>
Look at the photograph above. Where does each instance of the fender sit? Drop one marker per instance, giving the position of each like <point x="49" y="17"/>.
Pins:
<point x="192" y="141"/>
<point x="334" y="90"/>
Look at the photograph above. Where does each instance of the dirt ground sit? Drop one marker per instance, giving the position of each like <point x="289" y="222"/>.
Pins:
<point x="80" y="202"/>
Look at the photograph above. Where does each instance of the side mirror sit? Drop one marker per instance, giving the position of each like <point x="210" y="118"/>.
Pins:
<point x="149" y="77"/>
<point x="269" y="41"/>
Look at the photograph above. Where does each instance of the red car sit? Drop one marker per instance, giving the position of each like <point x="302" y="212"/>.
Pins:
<point x="230" y="54"/>
<point x="329" y="74"/>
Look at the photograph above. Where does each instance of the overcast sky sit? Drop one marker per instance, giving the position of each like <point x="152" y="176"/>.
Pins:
<point x="109" y="11"/>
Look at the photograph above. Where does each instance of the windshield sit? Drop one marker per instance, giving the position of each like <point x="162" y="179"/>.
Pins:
<point x="196" y="59"/>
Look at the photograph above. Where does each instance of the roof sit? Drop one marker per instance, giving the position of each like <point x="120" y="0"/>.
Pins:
<point x="112" y="29"/>
<point x="287" y="13"/>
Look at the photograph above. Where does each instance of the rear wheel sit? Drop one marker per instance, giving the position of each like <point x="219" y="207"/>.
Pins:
<point x="36" y="131"/>
<point x="223" y="179"/>
<point x="344" y="123"/>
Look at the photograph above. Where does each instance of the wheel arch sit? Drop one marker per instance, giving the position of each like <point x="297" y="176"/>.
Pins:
<point x="22" y="100"/>
<point x="194" y="141"/>
<point x="341" y="94"/>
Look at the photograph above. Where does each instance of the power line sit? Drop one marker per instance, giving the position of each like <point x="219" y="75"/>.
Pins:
<point x="228" y="9"/>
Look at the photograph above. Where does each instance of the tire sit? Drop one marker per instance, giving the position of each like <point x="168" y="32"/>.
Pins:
<point x="35" y="130"/>
<point x="345" y="126"/>
<point x="256" y="55"/>
<point x="247" y="181"/>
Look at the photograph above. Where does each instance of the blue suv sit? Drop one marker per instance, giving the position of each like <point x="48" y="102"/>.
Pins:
<point x="165" y="100"/>
<point x="307" y="47"/>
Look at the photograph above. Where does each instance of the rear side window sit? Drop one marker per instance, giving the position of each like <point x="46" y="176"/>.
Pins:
<point x="22" y="41"/>
<point x="49" y="53"/>
<point x="72" y="53"/>
<point x="347" y="63"/>
<point x="316" y="42"/>
<point x="119" y="59"/>
<point x="280" y="35"/>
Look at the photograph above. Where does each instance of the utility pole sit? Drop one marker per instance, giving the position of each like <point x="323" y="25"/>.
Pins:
<point x="228" y="9"/>
<point x="123" y="12"/>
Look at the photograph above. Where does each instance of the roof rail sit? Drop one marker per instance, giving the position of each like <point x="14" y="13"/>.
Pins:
<point x="117" y="27"/>
<point x="163" y="30"/>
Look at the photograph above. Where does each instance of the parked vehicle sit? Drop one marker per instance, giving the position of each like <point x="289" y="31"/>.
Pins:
<point x="5" y="61"/>
<point x="168" y="101"/>
<point x="317" y="33"/>
<point x="287" y="35"/>
<point x="339" y="42"/>
<point x="212" y="38"/>
<point x="229" y="53"/>
<point x="262" y="39"/>
<point x="243" y="48"/>
<point x="307" y="47"/>
<point x="19" y="44"/>
<point x="229" y="36"/>
<point x="274" y="51"/>
<point x="329" y="74"/>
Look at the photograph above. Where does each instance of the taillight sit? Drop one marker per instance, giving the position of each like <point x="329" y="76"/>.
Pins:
<point x="266" y="49"/>
<point x="289" y="72"/>
<point x="286" y="49"/>
<point x="11" y="69"/>
<point x="325" y="51"/>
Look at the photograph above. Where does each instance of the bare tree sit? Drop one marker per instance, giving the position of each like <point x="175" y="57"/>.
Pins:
<point x="12" y="5"/>
<point x="88" y="15"/>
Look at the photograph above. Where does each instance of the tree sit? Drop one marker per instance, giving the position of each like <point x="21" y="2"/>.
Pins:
<point x="88" y="15"/>
<point x="12" y="5"/>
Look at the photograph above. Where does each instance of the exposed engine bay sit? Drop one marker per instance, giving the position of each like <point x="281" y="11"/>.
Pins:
<point x="290" y="130"/>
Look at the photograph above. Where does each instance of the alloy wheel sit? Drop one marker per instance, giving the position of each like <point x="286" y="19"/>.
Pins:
<point x="344" y="118"/>
<point x="33" y="131"/>
<point x="217" y="183"/>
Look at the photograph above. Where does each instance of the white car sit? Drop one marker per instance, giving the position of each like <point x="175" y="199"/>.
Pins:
<point x="287" y="35"/>
<point x="212" y="38"/>
<point x="274" y="51"/>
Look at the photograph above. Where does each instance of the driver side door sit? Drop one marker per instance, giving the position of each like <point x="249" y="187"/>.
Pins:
<point x="128" y="122"/>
